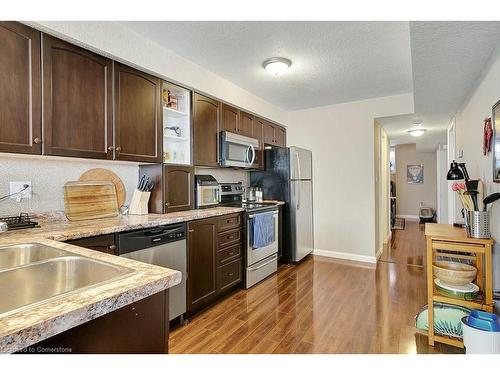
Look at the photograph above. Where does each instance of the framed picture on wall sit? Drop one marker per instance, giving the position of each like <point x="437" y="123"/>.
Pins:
<point x="415" y="174"/>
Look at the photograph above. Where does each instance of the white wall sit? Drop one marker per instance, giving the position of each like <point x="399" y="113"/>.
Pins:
<point x="411" y="196"/>
<point x="469" y="125"/>
<point x="341" y="138"/>
<point x="442" y="184"/>
<point x="121" y="43"/>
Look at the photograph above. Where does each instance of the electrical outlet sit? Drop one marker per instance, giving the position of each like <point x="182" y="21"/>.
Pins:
<point x="16" y="186"/>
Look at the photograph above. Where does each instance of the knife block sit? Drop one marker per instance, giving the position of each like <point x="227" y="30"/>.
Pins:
<point x="139" y="203"/>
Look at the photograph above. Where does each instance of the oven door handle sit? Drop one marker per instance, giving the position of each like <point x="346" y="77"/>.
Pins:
<point x="273" y="259"/>
<point x="252" y="216"/>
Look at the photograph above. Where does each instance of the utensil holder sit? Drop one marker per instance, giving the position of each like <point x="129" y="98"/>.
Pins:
<point x="477" y="224"/>
<point x="139" y="203"/>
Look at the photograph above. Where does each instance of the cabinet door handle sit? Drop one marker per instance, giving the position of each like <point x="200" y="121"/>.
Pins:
<point x="230" y="274"/>
<point x="118" y="149"/>
<point x="112" y="247"/>
<point x="191" y="230"/>
<point x="228" y="221"/>
<point x="167" y="204"/>
<point x="37" y="140"/>
<point x="111" y="148"/>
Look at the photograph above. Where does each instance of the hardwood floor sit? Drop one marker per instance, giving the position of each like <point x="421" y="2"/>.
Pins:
<point x="321" y="306"/>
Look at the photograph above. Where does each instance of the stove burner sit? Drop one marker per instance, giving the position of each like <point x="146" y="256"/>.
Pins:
<point x="19" y="222"/>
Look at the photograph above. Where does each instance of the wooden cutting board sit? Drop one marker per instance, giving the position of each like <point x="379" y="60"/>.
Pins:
<point x="90" y="200"/>
<point x="102" y="174"/>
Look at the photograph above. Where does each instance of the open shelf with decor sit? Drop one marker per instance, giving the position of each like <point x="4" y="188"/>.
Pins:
<point x="176" y="103"/>
<point x="449" y="244"/>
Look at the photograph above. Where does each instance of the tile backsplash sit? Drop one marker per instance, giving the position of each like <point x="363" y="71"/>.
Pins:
<point x="48" y="176"/>
<point x="225" y="174"/>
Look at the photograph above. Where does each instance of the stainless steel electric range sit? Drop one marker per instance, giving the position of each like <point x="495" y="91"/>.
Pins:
<point x="259" y="262"/>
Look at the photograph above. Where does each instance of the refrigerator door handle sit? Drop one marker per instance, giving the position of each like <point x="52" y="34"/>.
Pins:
<point x="298" y="165"/>
<point x="298" y="198"/>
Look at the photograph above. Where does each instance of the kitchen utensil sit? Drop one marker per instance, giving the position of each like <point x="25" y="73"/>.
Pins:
<point x="251" y="194"/>
<point x="466" y="292"/>
<point x="473" y="194"/>
<point x="150" y="186"/>
<point x="454" y="273"/>
<point x="102" y="174"/>
<point x="490" y="199"/>
<point x="139" y="202"/>
<point x="447" y="319"/>
<point x="477" y="224"/>
<point x="142" y="182"/>
<point x="84" y="200"/>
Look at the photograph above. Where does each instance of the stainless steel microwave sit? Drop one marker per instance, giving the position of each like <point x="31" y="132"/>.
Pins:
<point x="238" y="151"/>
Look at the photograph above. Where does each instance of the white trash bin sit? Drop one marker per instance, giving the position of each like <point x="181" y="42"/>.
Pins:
<point x="478" y="341"/>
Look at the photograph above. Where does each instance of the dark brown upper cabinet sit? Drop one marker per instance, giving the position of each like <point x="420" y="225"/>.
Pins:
<point x="179" y="188"/>
<point x="268" y="133"/>
<point x="246" y="124"/>
<point x="202" y="249"/>
<point x="174" y="187"/>
<point x="230" y="118"/>
<point x="274" y="134"/>
<point x="137" y="115"/>
<point x="205" y="131"/>
<point x="20" y="96"/>
<point x="280" y="136"/>
<point x="258" y="133"/>
<point x="235" y="121"/>
<point x="77" y="105"/>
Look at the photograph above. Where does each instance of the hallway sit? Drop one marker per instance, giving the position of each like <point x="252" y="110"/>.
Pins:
<point x="321" y="305"/>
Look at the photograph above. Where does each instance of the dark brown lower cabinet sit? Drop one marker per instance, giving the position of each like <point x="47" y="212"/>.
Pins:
<point x="104" y="244"/>
<point x="214" y="259"/>
<point x="139" y="328"/>
<point x="202" y="249"/>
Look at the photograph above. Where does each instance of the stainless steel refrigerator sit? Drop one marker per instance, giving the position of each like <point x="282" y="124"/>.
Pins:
<point x="288" y="177"/>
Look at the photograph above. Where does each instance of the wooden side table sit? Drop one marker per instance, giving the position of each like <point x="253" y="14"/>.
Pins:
<point x="447" y="240"/>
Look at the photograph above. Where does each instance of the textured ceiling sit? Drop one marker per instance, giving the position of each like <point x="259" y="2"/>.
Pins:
<point x="447" y="59"/>
<point x="333" y="62"/>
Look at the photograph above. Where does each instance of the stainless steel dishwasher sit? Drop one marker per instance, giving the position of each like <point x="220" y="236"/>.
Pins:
<point x="163" y="246"/>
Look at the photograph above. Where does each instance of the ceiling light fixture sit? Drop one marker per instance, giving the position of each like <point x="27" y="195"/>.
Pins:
<point x="277" y="65"/>
<point x="416" y="132"/>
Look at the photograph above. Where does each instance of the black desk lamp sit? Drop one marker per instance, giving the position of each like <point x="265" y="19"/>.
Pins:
<point x="457" y="171"/>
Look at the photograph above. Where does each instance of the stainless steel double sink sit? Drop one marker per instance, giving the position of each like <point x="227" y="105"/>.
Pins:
<point x="34" y="273"/>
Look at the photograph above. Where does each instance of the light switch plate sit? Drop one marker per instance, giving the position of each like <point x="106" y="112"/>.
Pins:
<point x="16" y="186"/>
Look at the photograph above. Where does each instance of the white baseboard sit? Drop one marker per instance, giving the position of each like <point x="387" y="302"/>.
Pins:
<point x="346" y="256"/>
<point x="409" y="217"/>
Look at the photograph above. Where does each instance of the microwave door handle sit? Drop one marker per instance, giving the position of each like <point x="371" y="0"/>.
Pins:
<point x="253" y="154"/>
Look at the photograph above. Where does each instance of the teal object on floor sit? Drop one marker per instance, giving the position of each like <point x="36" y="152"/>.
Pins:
<point x="447" y="319"/>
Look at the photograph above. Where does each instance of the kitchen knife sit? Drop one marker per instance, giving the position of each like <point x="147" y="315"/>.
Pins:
<point x="141" y="182"/>
<point x="490" y="199"/>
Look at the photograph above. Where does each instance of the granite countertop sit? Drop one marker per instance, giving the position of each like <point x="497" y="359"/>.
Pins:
<point x="36" y="323"/>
